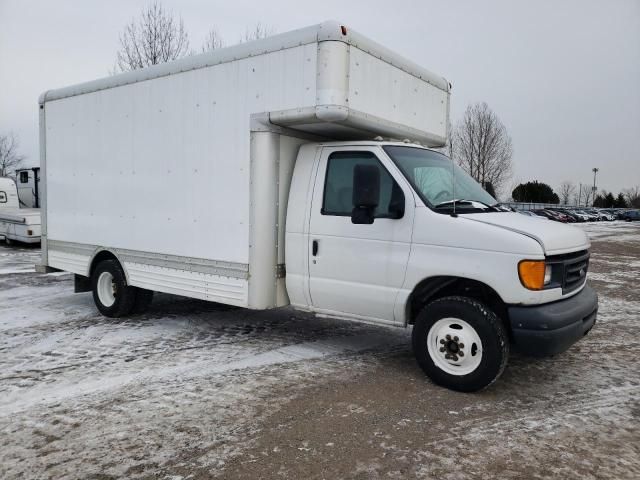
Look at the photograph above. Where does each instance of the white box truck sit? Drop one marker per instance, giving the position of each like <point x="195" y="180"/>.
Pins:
<point x="265" y="174"/>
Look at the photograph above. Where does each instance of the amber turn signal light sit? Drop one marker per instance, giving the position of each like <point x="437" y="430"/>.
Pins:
<point x="531" y="273"/>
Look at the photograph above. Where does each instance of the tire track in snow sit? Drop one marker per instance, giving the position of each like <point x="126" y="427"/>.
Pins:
<point x="546" y="411"/>
<point x="18" y="401"/>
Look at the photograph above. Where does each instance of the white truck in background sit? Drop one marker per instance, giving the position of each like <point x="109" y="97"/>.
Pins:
<point x="16" y="224"/>
<point x="265" y="174"/>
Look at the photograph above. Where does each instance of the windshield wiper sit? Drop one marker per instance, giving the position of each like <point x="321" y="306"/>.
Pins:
<point x="456" y="201"/>
<point x="462" y="201"/>
<point x="476" y="204"/>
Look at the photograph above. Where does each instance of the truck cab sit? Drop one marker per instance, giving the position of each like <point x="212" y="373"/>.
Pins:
<point x="397" y="234"/>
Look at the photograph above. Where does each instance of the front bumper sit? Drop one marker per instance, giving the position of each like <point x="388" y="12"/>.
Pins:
<point x="551" y="328"/>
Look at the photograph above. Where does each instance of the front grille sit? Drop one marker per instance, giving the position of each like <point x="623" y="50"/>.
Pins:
<point x="571" y="269"/>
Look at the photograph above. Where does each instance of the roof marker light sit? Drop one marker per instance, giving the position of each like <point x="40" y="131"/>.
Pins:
<point x="344" y="29"/>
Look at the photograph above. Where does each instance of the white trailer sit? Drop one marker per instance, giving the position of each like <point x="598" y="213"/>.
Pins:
<point x="257" y="175"/>
<point x="28" y="182"/>
<point x="16" y="224"/>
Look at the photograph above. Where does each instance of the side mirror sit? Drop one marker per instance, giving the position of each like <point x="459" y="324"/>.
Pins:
<point x="396" y="205"/>
<point x="366" y="193"/>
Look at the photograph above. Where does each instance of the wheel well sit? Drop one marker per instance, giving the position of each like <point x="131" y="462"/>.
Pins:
<point x="431" y="289"/>
<point x="100" y="256"/>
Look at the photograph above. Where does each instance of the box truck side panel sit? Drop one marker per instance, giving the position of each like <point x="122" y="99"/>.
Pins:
<point x="160" y="165"/>
<point x="408" y="100"/>
<point x="158" y="172"/>
<point x="351" y="77"/>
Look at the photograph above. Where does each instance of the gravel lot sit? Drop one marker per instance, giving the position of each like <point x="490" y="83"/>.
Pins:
<point x="199" y="390"/>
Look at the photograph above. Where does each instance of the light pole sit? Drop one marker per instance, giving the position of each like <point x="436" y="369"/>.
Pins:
<point x="580" y="194"/>
<point x="593" y="198"/>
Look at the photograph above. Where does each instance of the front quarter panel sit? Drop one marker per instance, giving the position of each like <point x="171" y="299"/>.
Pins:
<point x="444" y="245"/>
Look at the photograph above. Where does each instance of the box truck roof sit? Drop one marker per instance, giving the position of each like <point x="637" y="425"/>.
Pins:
<point x="325" y="80"/>
<point x="326" y="31"/>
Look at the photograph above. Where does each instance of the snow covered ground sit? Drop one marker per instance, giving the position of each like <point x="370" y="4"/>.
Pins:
<point x="199" y="390"/>
<point x="618" y="231"/>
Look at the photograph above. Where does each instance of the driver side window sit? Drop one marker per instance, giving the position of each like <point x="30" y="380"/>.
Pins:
<point x="338" y="187"/>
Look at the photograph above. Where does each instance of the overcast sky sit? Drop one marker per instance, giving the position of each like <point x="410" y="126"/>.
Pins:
<point x="563" y="76"/>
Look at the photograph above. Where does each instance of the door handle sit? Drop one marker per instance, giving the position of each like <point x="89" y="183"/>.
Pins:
<point x="314" y="248"/>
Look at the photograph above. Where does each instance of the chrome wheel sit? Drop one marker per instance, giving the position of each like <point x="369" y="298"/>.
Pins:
<point x="454" y="346"/>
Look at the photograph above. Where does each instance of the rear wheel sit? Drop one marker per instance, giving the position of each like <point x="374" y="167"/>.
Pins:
<point x="111" y="294"/>
<point x="460" y="343"/>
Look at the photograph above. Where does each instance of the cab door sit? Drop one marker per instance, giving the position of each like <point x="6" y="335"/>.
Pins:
<point x="358" y="269"/>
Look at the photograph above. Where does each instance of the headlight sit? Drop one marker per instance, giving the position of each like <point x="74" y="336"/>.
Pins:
<point x="532" y="274"/>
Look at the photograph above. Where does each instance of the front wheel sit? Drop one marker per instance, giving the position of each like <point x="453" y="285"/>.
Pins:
<point x="460" y="344"/>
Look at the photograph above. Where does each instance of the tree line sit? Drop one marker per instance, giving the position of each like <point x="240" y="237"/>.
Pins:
<point x="629" y="198"/>
<point x="539" y="192"/>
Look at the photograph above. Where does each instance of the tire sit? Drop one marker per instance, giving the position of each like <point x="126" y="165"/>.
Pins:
<point x="455" y="324"/>
<point x="111" y="294"/>
<point x="142" y="302"/>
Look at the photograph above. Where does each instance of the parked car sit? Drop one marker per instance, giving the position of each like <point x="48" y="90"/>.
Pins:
<point x="529" y="213"/>
<point x="631" y="216"/>
<point x="590" y="216"/>
<point x="557" y="216"/>
<point x="562" y="215"/>
<point x="579" y="217"/>
<point x="541" y="212"/>
<point x="598" y="215"/>
<point x="566" y="217"/>
<point x="605" y="215"/>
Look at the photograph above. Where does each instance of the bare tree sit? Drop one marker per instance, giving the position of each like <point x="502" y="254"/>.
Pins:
<point x="156" y="37"/>
<point x="633" y="196"/>
<point x="482" y="146"/>
<point x="576" y="197"/>
<point x="585" y="196"/>
<point x="567" y="190"/>
<point x="10" y="159"/>
<point x="213" y="41"/>
<point x="257" y="32"/>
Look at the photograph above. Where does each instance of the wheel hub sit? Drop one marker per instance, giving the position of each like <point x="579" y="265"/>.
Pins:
<point x="454" y="346"/>
<point x="107" y="289"/>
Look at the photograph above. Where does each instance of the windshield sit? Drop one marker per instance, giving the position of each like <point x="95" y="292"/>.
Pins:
<point x="438" y="181"/>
